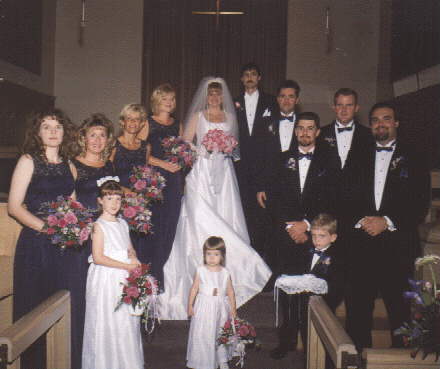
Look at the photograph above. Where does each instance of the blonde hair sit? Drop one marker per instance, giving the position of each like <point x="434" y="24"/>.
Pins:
<point x="157" y="94"/>
<point x="325" y="221"/>
<point x="96" y="120"/>
<point x="133" y="108"/>
<point x="215" y="243"/>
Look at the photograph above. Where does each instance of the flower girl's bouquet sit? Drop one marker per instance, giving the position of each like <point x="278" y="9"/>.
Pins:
<point x="217" y="140"/>
<point x="147" y="181"/>
<point x="237" y="334"/>
<point x="140" y="292"/>
<point x="66" y="221"/>
<point x="178" y="151"/>
<point x="136" y="212"/>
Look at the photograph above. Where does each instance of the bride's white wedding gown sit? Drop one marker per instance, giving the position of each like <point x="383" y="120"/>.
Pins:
<point x="211" y="207"/>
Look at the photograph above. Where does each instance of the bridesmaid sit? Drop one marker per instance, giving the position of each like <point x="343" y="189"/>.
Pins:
<point x="166" y="213"/>
<point x="42" y="173"/>
<point x="131" y="151"/>
<point x="95" y="141"/>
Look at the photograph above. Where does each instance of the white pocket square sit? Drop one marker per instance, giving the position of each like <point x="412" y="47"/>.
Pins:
<point x="266" y="113"/>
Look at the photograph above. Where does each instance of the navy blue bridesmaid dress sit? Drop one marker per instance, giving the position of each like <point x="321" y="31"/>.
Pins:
<point x="165" y="213"/>
<point x="41" y="268"/>
<point x="86" y="191"/>
<point x="124" y="161"/>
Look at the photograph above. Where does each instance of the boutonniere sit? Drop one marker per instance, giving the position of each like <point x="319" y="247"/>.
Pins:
<point x="321" y="172"/>
<point x="238" y="106"/>
<point x="271" y="129"/>
<point x="395" y="162"/>
<point x="331" y="141"/>
<point x="291" y="164"/>
<point x="267" y="113"/>
<point x="325" y="260"/>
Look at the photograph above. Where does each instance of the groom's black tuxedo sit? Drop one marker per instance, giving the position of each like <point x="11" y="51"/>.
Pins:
<point x="383" y="263"/>
<point x="290" y="204"/>
<point x="246" y="167"/>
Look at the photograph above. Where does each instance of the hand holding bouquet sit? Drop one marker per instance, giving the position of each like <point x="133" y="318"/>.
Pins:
<point x="178" y="151"/>
<point x="140" y="292"/>
<point x="67" y="222"/>
<point x="216" y="140"/>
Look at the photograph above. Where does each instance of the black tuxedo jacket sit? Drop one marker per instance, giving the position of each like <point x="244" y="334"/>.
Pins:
<point x="250" y="144"/>
<point x="360" y="145"/>
<point x="318" y="195"/>
<point x="271" y="150"/>
<point x="405" y="200"/>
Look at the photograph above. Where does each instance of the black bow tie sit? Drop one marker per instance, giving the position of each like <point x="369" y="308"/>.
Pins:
<point x="317" y="252"/>
<point x="384" y="148"/>
<point x="307" y="155"/>
<point x="343" y="129"/>
<point x="289" y="118"/>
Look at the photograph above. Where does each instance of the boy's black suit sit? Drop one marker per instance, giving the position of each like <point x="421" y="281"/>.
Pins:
<point x="330" y="268"/>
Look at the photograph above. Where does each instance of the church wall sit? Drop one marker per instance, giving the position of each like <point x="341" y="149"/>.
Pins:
<point x="105" y="73"/>
<point x="352" y="60"/>
<point x="45" y="81"/>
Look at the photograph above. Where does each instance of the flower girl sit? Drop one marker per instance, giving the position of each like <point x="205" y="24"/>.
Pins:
<point x="112" y="339"/>
<point x="214" y="304"/>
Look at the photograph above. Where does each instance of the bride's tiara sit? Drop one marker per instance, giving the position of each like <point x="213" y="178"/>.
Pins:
<point x="102" y="180"/>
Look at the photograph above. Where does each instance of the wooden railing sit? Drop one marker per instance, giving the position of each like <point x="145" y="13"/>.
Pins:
<point x="51" y="317"/>
<point x="397" y="359"/>
<point x="326" y="334"/>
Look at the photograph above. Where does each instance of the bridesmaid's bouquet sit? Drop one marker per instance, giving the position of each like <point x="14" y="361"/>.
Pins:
<point x="147" y="181"/>
<point x="237" y="333"/>
<point x="136" y="212"/>
<point x="140" y="292"/>
<point x="66" y="221"/>
<point x="216" y="140"/>
<point x="178" y="151"/>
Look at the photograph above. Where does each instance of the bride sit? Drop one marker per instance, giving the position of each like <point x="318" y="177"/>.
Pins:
<point x="211" y="207"/>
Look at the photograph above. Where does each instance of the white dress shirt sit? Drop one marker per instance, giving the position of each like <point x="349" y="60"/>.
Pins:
<point x="343" y="140"/>
<point x="383" y="160"/>
<point x="303" y="166"/>
<point x="250" y="102"/>
<point x="286" y="131"/>
<point x="316" y="257"/>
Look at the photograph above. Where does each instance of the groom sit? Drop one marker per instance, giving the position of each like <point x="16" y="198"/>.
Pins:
<point x="251" y="107"/>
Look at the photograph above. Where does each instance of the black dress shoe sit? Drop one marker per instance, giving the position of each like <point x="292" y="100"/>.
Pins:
<point x="278" y="353"/>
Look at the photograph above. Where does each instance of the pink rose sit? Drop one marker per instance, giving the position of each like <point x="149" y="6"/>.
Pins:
<point x="140" y="185"/>
<point x="133" y="292"/>
<point x="50" y="231"/>
<point x="136" y="272"/>
<point x="52" y="220"/>
<point x="84" y="234"/>
<point x="127" y="299"/>
<point x="70" y="218"/>
<point x="243" y="331"/>
<point x="129" y="212"/>
<point x="228" y="324"/>
<point x="62" y="223"/>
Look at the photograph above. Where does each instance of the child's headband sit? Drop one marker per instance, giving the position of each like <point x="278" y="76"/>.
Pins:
<point x="102" y="180"/>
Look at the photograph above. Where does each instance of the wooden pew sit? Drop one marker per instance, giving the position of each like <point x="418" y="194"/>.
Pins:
<point x="51" y="317"/>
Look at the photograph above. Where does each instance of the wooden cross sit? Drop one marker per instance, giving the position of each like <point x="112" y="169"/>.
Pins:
<point x="217" y="13"/>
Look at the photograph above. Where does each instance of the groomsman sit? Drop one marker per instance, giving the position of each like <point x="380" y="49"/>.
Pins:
<point x="304" y="181"/>
<point x="348" y="141"/>
<point x="391" y="200"/>
<point x="251" y="107"/>
<point x="279" y="137"/>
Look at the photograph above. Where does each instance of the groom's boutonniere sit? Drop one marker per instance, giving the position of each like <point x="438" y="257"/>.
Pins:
<point x="331" y="141"/>
<point x="291" y="164"/>
<point x="271" y="129"/>
<point x="267" y="113"/>
<point x="395" y="162"/>
<point x="238" y="106"/>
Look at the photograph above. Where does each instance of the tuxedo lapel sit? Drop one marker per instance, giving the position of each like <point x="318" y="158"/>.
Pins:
<point x="294" y="175"/>
<point x="332" y="142"/>
<point x="243" y="115"/>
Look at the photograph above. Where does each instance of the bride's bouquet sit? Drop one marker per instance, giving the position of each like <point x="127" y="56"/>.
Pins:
<point x="140" y="292"/>
<point x="216" y="140"/>
<point x="237" y="334"/>
<point x="67" y="222"/>
<point x="147" y="181"/>
<point x="136" y="212"/>
<point x="178" y="151"/>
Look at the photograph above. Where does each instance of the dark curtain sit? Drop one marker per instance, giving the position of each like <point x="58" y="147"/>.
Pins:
<point x="415" y="36"/>
<point x="181" y="48"/>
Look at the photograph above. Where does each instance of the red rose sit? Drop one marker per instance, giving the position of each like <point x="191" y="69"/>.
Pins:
<point x="62" y="223"/>
<point x="127" y="300"/>
<point x="133" y="292"/>
<point x="243" y="331"/>
<point x="70" y="243"/>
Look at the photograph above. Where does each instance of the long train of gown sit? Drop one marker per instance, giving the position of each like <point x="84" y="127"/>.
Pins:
<point x="211" y="207"/>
